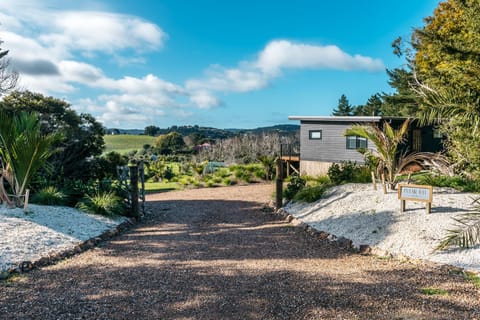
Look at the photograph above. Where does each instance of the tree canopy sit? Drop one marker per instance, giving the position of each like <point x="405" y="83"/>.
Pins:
<point x="82" y="135"/>
<point x="344" y="107"/>
<point x="151" y="130"/>
<point x="170" y="143"/>
<point x="447" y="53"/>
<point x="446" y="68"/>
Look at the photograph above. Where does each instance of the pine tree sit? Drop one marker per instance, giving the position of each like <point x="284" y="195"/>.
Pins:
<point x="344" y="108"/>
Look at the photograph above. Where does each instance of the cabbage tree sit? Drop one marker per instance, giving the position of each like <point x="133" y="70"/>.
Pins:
<point x="23" y="150"/>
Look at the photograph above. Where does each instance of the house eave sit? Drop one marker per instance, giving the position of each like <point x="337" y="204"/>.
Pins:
<point x="336" y="118"/>
<point x="356" y="119"/>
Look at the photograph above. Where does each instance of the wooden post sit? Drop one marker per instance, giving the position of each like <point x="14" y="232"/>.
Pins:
<point x="279" y="184"/>
<point x="374" y="181"/>
<point x="383" y="183"/>
<point x="134" y="212"/>
<point x="25" y="203"/>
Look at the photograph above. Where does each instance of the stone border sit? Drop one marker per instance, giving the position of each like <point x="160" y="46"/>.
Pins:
<point x="54" y="257"/>
<point x="363" y="249"/>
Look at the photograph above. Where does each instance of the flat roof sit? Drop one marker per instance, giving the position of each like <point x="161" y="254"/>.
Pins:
<point x="343" y="118"/>
<point x="335" y="118"/>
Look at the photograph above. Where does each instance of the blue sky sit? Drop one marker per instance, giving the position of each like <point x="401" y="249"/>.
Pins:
<point x="218" y="63"/>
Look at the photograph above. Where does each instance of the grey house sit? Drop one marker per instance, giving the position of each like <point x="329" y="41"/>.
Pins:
<point x="323" y="140"/>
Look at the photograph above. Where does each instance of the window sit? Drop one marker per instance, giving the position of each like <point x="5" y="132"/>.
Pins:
<point x="315" y="134"/>
<point x="355" y="142"/>
<point x="437" y="134"/>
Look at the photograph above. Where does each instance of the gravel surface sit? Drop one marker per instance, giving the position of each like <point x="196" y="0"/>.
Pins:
<point x="220" y="254"/>
<point x="370" y="217"/>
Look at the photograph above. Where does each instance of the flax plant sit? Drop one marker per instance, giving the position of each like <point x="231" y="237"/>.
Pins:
<point x="23" y="150"/>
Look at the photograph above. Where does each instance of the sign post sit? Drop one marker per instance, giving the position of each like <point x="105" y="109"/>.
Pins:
<point x="415" y="192"/>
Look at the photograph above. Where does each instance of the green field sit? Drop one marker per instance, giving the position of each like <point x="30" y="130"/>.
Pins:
<point x="124" y="143"/>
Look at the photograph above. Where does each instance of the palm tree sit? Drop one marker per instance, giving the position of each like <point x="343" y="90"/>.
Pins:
<point x="386" y="141"/>
<point x="467" y="233"/>
<point x="23" y="149"/>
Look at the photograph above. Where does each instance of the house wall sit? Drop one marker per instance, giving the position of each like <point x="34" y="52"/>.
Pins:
<point x="332" y="147"/>
<point x="314" y="168"/>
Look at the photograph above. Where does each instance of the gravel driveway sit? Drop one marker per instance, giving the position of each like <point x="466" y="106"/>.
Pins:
<point x="214" y="254"/>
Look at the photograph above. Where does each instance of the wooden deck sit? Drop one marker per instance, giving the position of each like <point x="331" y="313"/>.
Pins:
<point x="291" y="158"/>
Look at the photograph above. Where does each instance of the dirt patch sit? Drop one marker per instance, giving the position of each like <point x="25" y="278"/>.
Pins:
<point x="215" y="254"/>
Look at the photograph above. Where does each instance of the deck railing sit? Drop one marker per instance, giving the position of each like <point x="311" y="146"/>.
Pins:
<point x="290" y="150"/>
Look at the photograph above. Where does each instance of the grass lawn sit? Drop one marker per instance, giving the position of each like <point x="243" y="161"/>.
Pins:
<point x="124" y="143"/>
<point x="151" y="187"/>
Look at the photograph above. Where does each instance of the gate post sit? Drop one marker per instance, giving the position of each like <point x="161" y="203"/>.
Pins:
<point x="279" y="184"/>
<point x="134" y="212"/>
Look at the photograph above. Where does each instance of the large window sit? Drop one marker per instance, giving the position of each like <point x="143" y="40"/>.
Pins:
<point x="315" y="134"/>
<point x="355" y="142"/>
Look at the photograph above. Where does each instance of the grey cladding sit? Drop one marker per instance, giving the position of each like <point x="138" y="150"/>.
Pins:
<point x="332" y="145"/>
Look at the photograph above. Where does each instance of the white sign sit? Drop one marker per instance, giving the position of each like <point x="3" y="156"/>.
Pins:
<point x="415" y="192"/>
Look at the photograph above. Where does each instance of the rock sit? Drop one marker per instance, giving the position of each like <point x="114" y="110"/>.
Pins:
<point x="365" y="249"/>
<point x="4" y="275"/>
<point x="26" y="266"/>
<point x="322" y="235"/>
<point x="344" y="242"/>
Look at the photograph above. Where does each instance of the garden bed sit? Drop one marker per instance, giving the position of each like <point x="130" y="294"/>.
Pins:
<point x="370" y="218"/>
<point x="48" y="233"/>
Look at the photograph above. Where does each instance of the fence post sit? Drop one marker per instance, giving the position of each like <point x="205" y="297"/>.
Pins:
<point x="134" y="190"/>
<point x="279" y="184"/>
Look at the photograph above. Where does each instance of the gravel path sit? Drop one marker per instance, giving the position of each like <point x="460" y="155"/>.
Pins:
<point x="215" y="254"/>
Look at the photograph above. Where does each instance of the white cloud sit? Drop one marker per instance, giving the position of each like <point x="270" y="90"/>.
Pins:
<point x="92" y="31"/>
<point x="148" y="84"/>
<point x="204" y="99"/>
<point x="233" y="80"/>
<point x="283" y="54"/>
<point x="80" y="72"/>
<point x="272" y="60"/>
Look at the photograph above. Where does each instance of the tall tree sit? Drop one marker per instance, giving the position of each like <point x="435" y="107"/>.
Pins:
<point x="447" y="51"/>
<point x="170" y="143"/>
<point x="373" y="107"/>
<point x="8" y="77"/>
<point x="447" y="66"/>
<point x="344" y="108"/>
<point x="151" y="130"/>
<point x="405" y="101"/>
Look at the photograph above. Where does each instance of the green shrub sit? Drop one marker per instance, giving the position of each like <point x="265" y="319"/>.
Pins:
<point x="243" y="174"/>
<point x="103" y="203"/>
<point x="168" y="173"/>
<point x="49" y="196"/>
<point x="316" y="179"/>
<point x="223" y="172"/>
<point x="347" y="172"/>
<point x="311" y="193"/>
<point x="209" y="184"/>
<point x="296" y="184"/>
<point x="362" y="174"/>
<point x="229" y="181"/>
<point x="456" y="182"/>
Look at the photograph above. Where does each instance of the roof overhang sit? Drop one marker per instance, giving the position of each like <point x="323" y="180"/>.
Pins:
<point x="337" y="118"/>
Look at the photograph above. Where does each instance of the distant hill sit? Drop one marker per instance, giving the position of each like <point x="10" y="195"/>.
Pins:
<point x="213" y="133"/>
<point x="279" y="128"/>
